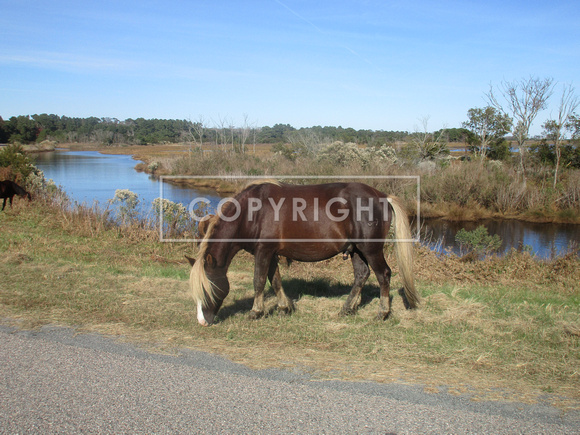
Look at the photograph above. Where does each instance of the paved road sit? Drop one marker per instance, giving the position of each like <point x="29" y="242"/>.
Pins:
<point x="52" y="381"/>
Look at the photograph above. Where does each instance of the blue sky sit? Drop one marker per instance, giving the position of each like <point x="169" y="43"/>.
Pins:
<point x="378" y="65"/>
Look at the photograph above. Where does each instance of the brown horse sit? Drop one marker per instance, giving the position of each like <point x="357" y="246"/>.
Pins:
<point x="304" y="223"/>
<point x="8" y="189"/>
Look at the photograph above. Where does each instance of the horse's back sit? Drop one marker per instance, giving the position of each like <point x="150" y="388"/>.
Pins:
<point x="313" y="222"/>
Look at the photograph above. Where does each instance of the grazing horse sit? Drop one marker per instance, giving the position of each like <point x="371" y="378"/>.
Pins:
<point x="8" y="189"/>
<point x="304" y="223"/>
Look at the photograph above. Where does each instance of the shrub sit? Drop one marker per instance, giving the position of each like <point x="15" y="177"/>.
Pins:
<point x="346" y="154"/>
<point x="499" y="150"/>
<point x="383" y="154"/>
<point x="478" y="241"/>
<point x="175" y="215"/>
<point x="286" y="150"/>
<point x="153" y="166"/>
<point x="127" y="204"/>
<point x="15" y="158"/>
<point x="341" y="154"/>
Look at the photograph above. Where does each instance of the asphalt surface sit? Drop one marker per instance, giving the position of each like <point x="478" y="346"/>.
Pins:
<point x="56" y="381"/>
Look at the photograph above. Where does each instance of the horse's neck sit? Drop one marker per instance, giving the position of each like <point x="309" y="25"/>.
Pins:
<point x="223" y="252"/>
<point x="223" y="245"/>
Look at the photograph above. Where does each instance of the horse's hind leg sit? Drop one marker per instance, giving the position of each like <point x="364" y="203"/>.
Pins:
<point x="285" y="304"/>
<point x="383" y="273"/>
<point x="361" y="274"/>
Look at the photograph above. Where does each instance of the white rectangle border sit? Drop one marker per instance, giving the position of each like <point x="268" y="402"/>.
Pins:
<point x="162" y="179"/>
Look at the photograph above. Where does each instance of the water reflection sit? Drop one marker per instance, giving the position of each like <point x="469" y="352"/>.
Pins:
<point x="545" y="240"/>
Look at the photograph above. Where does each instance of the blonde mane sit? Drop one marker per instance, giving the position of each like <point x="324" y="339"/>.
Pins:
<point x="263" y="181"/>
<point x="199" y="283"/>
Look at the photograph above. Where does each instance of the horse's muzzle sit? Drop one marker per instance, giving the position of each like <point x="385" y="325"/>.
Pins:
<point x="204" y="319"/>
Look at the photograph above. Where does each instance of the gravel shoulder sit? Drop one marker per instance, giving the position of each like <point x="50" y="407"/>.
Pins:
<point x="57" y="380"/>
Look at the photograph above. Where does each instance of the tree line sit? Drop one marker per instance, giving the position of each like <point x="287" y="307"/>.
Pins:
<point x="26" y="129"/>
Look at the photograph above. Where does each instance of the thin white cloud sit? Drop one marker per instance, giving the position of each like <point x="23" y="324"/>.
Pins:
<point x="292" y="11"/>
<point x="67" y="61"/>
<point x="346" y="47"/>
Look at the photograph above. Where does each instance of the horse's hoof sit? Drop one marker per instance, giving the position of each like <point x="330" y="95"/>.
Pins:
<point x="285" y="311"/>
<point x="383" y="315"/>
<point x="347" y="312"/>
<point x="255" y="315"/>
<point x="404" y="296"/>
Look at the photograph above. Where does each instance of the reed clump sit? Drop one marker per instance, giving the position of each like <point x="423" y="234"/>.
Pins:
<point x="500" y="190"/>
<point x="451" y="188"/>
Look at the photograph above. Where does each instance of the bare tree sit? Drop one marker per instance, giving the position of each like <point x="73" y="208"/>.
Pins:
<point x="244" y="134"/>
<point x="196" y="130"/>
<point x="555" y="129"/>
<point x="224" y="132"/>
<point x="232" y="132"/>
<point x="430" y="145"/>
<point x="523" y="100"/>
<point x="255" y="131"/>
<point x="306" y="141"/>
<point x="199" y="130"/>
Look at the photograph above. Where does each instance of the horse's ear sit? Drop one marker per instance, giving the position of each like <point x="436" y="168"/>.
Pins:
<point x="210" y="260"/>
<point x="191" y="260"/>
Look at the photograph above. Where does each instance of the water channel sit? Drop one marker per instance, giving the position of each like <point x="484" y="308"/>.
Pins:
<point x="89" y="176"/>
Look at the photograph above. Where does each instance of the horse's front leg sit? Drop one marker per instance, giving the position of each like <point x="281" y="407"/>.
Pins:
<point x="261" y="267"/>
<point x="4" y="205"/>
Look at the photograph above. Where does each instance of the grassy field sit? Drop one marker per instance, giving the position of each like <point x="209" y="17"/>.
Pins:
<point x="504" y="328"/>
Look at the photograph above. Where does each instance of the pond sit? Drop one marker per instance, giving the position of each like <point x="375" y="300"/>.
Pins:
<point x="544" y="240"/>
<point x="87" y="176"/>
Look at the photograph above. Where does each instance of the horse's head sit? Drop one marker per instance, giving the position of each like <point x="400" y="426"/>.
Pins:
<point x="209" y="286"/>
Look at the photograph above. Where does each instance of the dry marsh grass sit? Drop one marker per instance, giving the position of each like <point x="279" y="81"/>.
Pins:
<point x="504" y="328"/>
<point x="456" y="190"/>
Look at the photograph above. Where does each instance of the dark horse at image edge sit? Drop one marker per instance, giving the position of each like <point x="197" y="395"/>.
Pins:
<point x="8" y="189"/>
<point x="305" y="223"/>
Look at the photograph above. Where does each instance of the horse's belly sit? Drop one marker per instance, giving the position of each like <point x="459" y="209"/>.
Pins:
<point x="306" y="251"/>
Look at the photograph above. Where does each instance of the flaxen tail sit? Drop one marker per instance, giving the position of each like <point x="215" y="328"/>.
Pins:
<point x="404" y="253"/>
